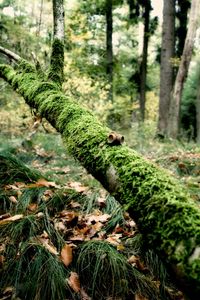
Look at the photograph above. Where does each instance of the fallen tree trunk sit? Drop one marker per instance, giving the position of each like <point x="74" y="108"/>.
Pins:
<point x="163" y="210"/>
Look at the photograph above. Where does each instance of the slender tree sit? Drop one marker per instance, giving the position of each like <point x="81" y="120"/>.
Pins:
<point x="182" y="8"/>
<point x="143" y="66"/>
<point x="109" y="45"/>
<point x="198" y="109"/>
<point x="166" y="69"/>
<point x="174" y="111"/>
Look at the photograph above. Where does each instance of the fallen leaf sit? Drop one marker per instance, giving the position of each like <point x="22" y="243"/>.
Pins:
<point x="77" y="186"/>
<point x="32" y="207"/>
<point x="69" y="217"/>
<point x="59" y="226"/>
<point x="66" y="255"/>
<point x="140" y="297"/>
<point x="5" y="216"/>
<point x="2" y="259"/>
<point x="74" y="204"/>
<point x="98" y="218"/>
<point x="135" y="261"/>
<point x="101" y="202"/>
<point x="47" y="195"/>
<point x="8" y="290"/>
<point x="114" y="239"/>
<point x="11" y="219"/>
<point x="48" y="245"/>
<point x="74" y="282"/>
<point x="13" y="199"/>
<point x="43" y="182"/>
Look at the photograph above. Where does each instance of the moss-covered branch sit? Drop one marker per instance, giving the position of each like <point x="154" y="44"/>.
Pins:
<point x="163" y="210"/>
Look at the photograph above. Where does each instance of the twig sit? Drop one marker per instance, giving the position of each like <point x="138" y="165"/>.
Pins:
<point x="10" y="54"/>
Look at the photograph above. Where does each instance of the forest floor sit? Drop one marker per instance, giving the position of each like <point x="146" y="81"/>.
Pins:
<point x="87" y="213"/>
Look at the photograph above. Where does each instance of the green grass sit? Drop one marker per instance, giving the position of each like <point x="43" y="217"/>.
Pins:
<point x="103" y="269"/>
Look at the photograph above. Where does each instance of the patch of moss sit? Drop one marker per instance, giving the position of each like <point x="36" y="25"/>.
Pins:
<point x="55" y="73"/>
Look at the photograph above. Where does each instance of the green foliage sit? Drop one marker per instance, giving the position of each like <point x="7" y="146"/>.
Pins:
<point x="13" y="170"/>
<point x="109" y="274"/>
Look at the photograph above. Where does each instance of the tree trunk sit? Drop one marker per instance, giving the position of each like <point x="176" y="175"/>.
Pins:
<point x="181" y="31"/>
<point x="143" y="67"/>
<point x="166" y="216"/>
<point x="198" y="110"/>
<point x="166" y="71"/>
<point x="57" y="56"/>
<point x="109" y="46"/>
<point x="174" y="112"/>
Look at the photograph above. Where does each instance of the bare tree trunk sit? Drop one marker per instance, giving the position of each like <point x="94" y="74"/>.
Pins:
<point x="174" y="113"/>
<point x="198" y="110"/>
<point x="143" y="68"/>
<point x="109" y="46"/>
<point x="166" y="71"/>
<point x="40" y="18"/>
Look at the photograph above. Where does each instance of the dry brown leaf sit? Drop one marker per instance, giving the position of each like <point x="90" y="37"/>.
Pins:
<point x="43" y="182"/>
<point x="48" y="245"/>
<point x="59" y="226"/>
<point x="11" y="219"/>
<point x="140" y="297"/>
<point x="74" y="204"/>
<point x="135" y="261"/>
<point x="101" y="202"/>
<point x="98" y="218"/>
<point x="44" y="235"/>
<point x="8" y="290"/>
<point x="33" y="207"/>
<point x="13" y="199"/>
<point x="66" y="255"/>
<point x="5" y="216"/>
<point x="114" y="239"/>
<point x="74" y="282"/>
<point x="2" y="259"/>
<point x="47" y="195"/>
<point x="77" y="186"/>
<point x="69" y="216"/>
<point x="40" y="215"/>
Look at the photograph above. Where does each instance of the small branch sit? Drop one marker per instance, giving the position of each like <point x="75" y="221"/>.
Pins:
<point x="10" y="54"/>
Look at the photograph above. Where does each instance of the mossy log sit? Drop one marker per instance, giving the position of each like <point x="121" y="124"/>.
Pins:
<point x="164" y="212"/>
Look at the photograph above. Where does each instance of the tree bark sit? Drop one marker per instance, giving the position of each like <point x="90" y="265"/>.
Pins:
<point x="109" y="46"/>
<point x="143" y="68"/>
<point x="169" y="220"/>
<point x="198" y="110"/>
<point x="166" y="70"/>
<point x="174" y="111"/>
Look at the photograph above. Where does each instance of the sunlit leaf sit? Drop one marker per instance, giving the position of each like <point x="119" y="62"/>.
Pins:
<point x="66" y="255"/>
<point x="74" y="282"/>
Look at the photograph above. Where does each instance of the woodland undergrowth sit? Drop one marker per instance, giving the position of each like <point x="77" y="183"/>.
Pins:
<point x="63" y="237"/>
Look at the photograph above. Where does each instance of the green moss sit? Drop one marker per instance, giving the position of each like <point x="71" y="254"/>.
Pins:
<point x="161" y="207"/>
<point x="57" y="63"/>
